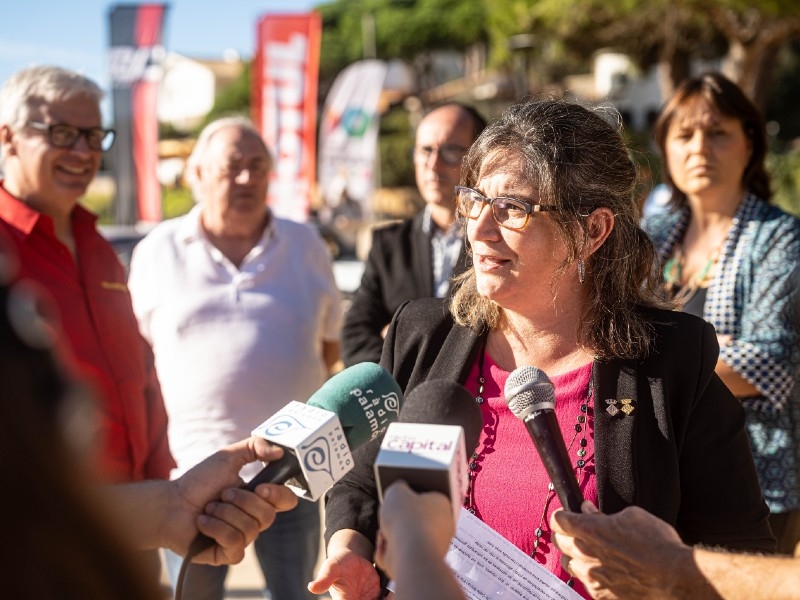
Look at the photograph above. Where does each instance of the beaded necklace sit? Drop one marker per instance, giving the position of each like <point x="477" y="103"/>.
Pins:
<point x="673" y="273"/>
<point x="580" y="429"/>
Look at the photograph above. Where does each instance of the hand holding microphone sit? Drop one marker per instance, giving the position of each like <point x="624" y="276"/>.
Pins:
<point x="349" y="569"/>
<point x="351" y="408"/>
<point x="531" y="397"/>
<point x="427" y="449"/>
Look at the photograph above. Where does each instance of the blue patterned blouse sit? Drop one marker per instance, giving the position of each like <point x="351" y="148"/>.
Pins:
<point x="754" y="298"/>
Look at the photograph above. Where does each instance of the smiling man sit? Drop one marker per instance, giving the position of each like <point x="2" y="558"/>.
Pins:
<point x="51" y="144"/>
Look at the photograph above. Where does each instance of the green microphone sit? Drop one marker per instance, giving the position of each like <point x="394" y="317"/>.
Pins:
<point x="353" y="407"/>
<point x="365" y="397"/>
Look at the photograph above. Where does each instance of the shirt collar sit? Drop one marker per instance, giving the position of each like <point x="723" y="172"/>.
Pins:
<point x="430" y="228"/>
<point x="24" y="218"/>
<point x="191" y="228"/>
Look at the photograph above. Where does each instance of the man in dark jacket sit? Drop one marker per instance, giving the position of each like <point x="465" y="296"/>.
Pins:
<point x="415" y="258"/>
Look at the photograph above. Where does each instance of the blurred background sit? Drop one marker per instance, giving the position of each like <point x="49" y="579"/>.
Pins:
<point x="210" y="59"/>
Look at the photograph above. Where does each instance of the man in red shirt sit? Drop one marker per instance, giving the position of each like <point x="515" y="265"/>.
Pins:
<point x="51" y="143"/>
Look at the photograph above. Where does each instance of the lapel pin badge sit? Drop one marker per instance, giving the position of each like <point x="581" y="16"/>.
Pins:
<point x="625" y="405"/>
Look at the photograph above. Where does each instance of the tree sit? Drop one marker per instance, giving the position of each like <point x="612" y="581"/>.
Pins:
<point x="756" y="34"/>
<point x="666" y="33"/>
<point x="661" y="33"/>
<point x="782" y="105"/>
<point x="409" y="30"/>
<point x="233" y="99"/>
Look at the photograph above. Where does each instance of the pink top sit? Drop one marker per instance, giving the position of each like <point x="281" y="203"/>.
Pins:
<point x="510" y="486"/>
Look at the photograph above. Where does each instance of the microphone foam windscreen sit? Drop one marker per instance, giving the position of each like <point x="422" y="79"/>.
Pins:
<point x="442" y="402"/>
<point x="529" y="389"/>
<point x="366" y="399"/>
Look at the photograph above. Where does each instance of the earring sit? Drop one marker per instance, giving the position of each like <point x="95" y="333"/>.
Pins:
<point x="581" y="271"/>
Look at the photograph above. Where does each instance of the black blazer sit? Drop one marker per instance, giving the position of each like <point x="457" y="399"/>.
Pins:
<point x="682" y="454"/>
<point x="398" y="268"/>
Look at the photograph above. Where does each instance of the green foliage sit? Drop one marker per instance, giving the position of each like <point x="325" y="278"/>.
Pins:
<point x="784" y="169"/>
<point x="404" y="29"/>
<point x="573" y="30"/>
<point x="231" y="100"/>
<point x="782" y="105"/>
<point x="395" y="142"/>
<point x="176" y="201"/>
<point x="100" y="204"/>
<point x="772" y="8"/>
<point x="167" y="131"/>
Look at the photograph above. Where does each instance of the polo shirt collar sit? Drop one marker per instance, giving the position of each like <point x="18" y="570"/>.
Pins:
<point x="24" y="218"/>
<point x="191" y="228"/>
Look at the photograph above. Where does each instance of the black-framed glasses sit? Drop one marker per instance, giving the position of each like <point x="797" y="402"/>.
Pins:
<point x="507" y="212"/>
<point x="62" y="135"/>
<point x="449" y="154"/>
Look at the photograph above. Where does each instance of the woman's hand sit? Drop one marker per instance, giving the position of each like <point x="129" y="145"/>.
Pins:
<point x="347" y="573"/>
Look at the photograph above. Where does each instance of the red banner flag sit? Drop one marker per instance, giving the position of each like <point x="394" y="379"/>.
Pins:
<point x="135" y="65"/>
<point x="285" y="72"/>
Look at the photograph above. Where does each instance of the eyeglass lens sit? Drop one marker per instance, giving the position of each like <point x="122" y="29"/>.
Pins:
<point x="62" y="135"/>
<point x="66" y="136"/>
<point x="506" y="211"/>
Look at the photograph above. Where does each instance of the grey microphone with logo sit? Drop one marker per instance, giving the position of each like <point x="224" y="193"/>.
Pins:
<point x="531" y="397"/>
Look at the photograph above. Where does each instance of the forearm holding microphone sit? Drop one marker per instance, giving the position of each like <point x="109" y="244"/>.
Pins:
<point x="352" y="408"/>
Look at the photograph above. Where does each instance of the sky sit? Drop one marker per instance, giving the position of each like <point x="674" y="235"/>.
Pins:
<point x="74" y="34"/>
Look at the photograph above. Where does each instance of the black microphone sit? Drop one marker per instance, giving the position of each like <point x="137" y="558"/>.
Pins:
<point x="438" y="428"/>
<point x="531" y="397"/>
<point x="443" y="402"/>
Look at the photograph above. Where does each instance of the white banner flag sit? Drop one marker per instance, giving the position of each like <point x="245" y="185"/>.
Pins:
<point x="348" y="141"/>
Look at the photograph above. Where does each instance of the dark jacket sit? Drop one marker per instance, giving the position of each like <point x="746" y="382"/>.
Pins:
<point x="682" y="454"/>
<point x="399" y="268"/>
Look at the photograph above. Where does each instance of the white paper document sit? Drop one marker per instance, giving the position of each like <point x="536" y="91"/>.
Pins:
<point x="489" y="567"/>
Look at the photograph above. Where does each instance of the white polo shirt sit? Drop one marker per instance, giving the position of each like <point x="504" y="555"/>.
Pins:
<point x="232" y="345"/>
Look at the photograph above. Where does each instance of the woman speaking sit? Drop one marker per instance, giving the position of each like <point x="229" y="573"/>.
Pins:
<point x="563" y="279"/>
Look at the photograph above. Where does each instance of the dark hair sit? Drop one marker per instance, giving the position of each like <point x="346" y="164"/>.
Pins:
<point x="578" y="163"/>
<point x="478" y="120"/>
<point x="65" y="546"/>
<point x="724" y="96"/>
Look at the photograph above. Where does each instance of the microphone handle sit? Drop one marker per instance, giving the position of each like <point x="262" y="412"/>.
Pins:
<point x="278" y="471"/>
<point x="543" y="428"/>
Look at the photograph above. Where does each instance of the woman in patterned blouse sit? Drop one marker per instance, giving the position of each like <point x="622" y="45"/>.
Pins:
<point x="731" y="257"/>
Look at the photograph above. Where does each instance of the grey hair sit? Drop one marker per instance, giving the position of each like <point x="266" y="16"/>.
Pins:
<point x="578" y="163"/>
<point x="44" y="84"/>
<point x="203" y="141"/>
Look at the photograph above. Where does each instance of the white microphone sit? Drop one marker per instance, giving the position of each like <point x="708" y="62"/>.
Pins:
<point x="350" y="409"/>
<point x="353" y="407"/>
